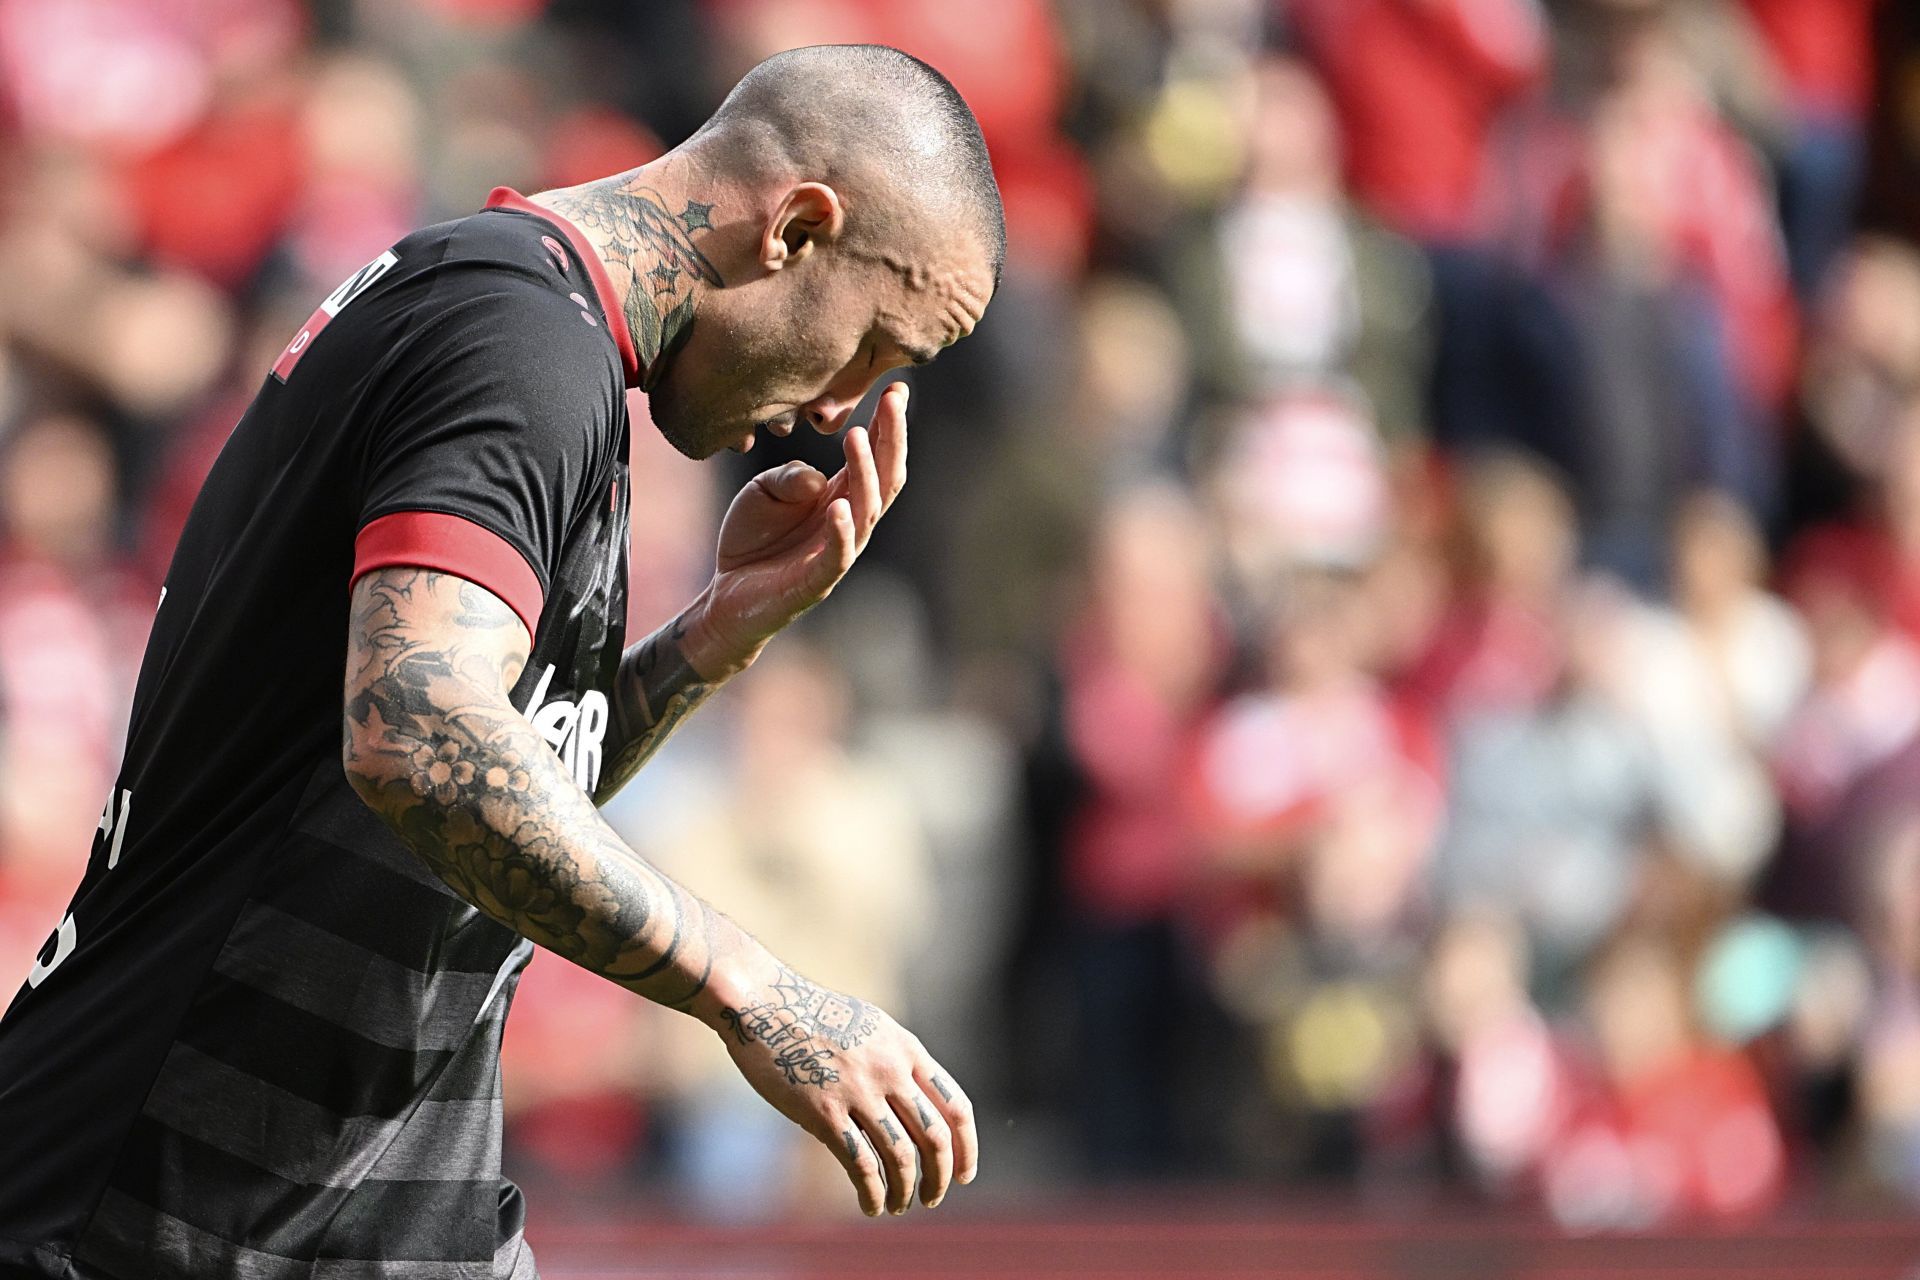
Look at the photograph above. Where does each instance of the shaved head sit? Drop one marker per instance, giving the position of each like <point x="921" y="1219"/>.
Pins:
<point x="889" y="129"/>
<point x="835" y="219"/>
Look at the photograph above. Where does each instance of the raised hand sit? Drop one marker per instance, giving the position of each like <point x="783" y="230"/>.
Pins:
<point x="789" y="537"/>
<point x="857" y="1081"/>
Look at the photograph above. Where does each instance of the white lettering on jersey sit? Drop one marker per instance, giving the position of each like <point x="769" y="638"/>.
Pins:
<point x="113" y="831"/>
<point x="115" y="828"/>
<point x="358" y="283"/>
<point x="350" y="288"/>
<point x="66" y="938"/>
<point x="573" y="729"/>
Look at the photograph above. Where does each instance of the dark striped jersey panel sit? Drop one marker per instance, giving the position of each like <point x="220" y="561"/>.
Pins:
<point x="264" y="1040"/>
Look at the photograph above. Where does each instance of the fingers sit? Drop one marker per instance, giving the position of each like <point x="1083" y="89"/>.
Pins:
<point x="864" y="1169"/>
<point x="837" y="556"/>
<point x="897" y="1157"/>
<point x="862" y="483"/>
<point x="934" y="1140"/>
<point x="890" y="442"/>
<point x="911" y="1134"/>
<point x="955" y="1108"/>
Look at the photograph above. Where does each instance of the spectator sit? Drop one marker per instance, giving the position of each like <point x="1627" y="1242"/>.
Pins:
<point x="1676" y="1128"/>
<point x="1681" y="306"/>
<point x="1314" y="291"/>
<point x="1138" y="670"/>
<point x="1822" y="51"/>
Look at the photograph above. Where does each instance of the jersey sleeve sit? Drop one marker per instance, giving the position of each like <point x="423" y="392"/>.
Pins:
<point x="494" y="423"/>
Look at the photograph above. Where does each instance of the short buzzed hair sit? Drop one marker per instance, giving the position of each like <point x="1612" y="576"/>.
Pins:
<point x="837" y="109"/>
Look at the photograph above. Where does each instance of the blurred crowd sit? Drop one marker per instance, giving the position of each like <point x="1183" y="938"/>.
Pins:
<point x="1399" y="665"/>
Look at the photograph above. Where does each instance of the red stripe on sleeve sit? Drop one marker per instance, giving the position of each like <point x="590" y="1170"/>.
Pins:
<point x="450" y="544"/>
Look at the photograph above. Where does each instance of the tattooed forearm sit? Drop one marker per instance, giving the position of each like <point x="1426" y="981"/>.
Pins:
<point x="803" y="1024"/>
<point x="435" y="747"/>
<point x="653" y="247"/>
<point x="655" y="691"/>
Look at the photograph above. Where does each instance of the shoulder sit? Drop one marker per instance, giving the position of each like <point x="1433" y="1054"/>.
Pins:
<point x="505" y="261"/>
<point x="491" y="296"/>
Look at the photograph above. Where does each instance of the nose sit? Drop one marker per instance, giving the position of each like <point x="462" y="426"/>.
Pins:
<point x="827" y="414"/>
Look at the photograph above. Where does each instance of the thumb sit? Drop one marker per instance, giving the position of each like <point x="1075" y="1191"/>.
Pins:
<point x="794" y="482"/>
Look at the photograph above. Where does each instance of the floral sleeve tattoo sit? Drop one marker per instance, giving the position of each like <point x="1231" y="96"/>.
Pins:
<point x="433" y="745"/>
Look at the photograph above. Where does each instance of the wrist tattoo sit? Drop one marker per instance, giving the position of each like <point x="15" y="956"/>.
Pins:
<point x="656" y="689"/>
<point x="803" y="1024"/>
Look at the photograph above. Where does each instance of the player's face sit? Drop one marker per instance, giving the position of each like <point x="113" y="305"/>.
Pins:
<point x="804" y="344"/>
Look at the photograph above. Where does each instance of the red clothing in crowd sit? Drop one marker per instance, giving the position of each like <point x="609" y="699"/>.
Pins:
<point x="1824" y="51"/>
<point x="216" y="200"/>
<point x="1132" y="846"/>
<point x="1693" y="1139"/>
<point x="1008" y="61"/>
<point x="1419" y="86"/>
<point x="1486" y="656"/>
<point x="1274" y="763"/>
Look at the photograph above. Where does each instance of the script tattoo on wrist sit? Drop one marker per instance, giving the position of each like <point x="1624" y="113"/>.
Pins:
<point x="804" y="1025"/>
<point x="655" y="247"/>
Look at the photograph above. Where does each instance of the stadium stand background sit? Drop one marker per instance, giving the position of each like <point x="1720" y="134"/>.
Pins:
<point x="1393" y="694"/>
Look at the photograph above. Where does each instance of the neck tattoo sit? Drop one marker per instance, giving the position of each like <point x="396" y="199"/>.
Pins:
<point x="654" y="250"/>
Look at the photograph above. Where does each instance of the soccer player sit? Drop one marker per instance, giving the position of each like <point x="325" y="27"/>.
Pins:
<point x="264" y="1040"/>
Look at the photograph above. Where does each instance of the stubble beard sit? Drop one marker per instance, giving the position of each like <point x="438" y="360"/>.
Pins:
<point x="680" y="429"/>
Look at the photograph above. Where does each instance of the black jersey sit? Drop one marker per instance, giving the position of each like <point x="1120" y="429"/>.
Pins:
<point x="264" y="1040"/>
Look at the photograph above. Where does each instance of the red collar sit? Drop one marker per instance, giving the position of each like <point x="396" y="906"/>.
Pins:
<point x="508" y="198"/>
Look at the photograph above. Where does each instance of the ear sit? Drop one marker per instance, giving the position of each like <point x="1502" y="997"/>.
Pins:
<point x="807" y="215"/>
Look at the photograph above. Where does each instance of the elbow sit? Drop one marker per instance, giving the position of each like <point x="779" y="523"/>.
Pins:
<point x="394" y="772"/>
<point x="380" y="765"/>
<point x="358" y="762"/>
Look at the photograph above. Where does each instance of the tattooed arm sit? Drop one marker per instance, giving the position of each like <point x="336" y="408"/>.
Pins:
<point x="433" y="744"/>
<point x="656" y="689"/>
